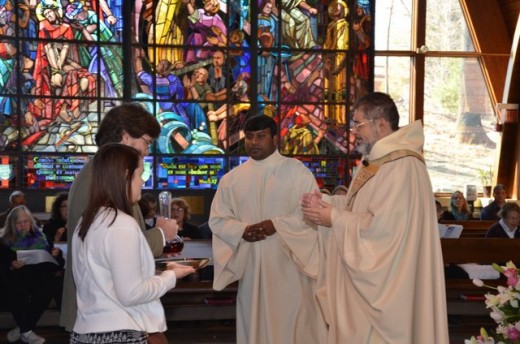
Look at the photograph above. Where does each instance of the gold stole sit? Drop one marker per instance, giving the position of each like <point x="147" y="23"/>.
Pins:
<point x="370" y="168"/>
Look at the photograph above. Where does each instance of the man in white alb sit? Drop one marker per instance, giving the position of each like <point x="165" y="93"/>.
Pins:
<point x="261" y="241"/>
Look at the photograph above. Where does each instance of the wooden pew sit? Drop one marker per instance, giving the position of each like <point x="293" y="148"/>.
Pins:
<point x="475" y="250"/>
<point x="192" y="299"/>
<point x="472" y="228"/>
<point x="198" y="301"/>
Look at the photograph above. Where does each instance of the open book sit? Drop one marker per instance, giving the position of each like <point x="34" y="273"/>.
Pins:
<point x="450" y="231"/>
<point x="35" y="257"/>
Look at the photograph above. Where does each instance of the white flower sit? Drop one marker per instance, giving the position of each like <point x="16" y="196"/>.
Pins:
<point x="497" y="315"/>
<point x="478" y="282"/>
<point x="504" y="308"/>
<point x="492" y="300"/>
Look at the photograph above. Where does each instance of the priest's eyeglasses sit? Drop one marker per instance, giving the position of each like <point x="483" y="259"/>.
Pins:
<point x="356" y="125"/>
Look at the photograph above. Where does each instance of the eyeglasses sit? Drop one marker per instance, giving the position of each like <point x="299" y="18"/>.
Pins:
<point x="177" y="210"/>
<point x="148" y="142"/>
<point x="356" y="125"/>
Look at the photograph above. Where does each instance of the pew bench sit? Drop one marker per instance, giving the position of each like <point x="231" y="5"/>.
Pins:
<point x="472" y="228"/>
<point x="191" y="299"/>
<point x="481" y="251"/>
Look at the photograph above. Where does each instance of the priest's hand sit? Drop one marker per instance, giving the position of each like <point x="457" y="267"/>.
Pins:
<point x="259" y="231"/>
<point x="320" y="215"/>
<point x="311" y="199"/>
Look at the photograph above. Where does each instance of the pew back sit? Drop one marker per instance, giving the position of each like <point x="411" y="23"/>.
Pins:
<point x="463" y="297"/>
<point x="472" y="228"/>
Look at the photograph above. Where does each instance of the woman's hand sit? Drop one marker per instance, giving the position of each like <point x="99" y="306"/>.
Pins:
<point x="59" y="233"/>
<point x="17" y="264"/>
<point x="179" y="269"/>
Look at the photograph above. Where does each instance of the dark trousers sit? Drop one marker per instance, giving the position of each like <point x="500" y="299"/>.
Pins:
<point x="27" y="292"/>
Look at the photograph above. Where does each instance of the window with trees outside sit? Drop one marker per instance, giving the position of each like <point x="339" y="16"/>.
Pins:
<point x="428" y="49"/>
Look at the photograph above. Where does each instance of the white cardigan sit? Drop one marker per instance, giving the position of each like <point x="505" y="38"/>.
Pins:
<point x="114" y="272"/>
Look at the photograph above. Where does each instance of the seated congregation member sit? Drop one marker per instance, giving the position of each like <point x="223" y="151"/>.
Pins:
<point x="181" y="212"/>
<point x="340" y="190"/>
<point x="490" y="212"/>
<point x="438" y="207"/>
<point x="507" y="226"/>
<point x="450" y="270"/>
<point x="15" y="199"/>
<point x="205" y="231"/>
<point x="459" y="210"/>
<point x="325" y="191"/>
<point x="113" y="266"/>
<point x="56" y="231"/>
<point x="56" y="228"/>
<point x="27" y="288"/>
<point x="148" y="205"/>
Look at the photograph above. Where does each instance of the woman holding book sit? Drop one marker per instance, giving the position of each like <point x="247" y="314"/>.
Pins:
<point x="26" y="287"/>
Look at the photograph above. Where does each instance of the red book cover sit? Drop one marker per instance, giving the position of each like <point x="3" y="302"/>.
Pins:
<point x="219" y="301"/>
<point x="473" y="297"/>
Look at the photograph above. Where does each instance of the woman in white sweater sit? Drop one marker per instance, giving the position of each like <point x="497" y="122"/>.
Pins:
<point x="117" y="289"/>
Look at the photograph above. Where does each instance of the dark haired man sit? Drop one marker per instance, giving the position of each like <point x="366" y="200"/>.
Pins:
<point x="261" y="240"/>
<point x="381" y="279"/>
<point x="132" y="125"/>
<point x="490" y="212"/>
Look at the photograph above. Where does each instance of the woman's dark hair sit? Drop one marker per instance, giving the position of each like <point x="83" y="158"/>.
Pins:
<point x="146" y="202"/>
<point x="113" y="168"/>
<point x="56" y="205"/>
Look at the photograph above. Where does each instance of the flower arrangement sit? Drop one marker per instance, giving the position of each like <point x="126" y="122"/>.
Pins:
<point x="504" y="307"/>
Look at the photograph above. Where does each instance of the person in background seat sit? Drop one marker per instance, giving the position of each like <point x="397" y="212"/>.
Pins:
<point x="490" y="212"/>
<point x="181" y="212"/>
<point x="148" y="205"/>
<point x="27" y="288"/>
<point x="459" y="210"/>
<point x="56" y="231"/>
<point x="15" y="199"/>
<point x="507" y="226"/>
<point x="56" y="228"/>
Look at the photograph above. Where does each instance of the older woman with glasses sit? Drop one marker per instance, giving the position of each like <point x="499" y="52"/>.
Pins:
<point x="26" y="287"/>
<point x="181" y="212"/>
<point x="507" y="226"/>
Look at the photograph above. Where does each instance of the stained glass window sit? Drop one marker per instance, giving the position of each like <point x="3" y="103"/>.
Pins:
<point x="201" y="68"/>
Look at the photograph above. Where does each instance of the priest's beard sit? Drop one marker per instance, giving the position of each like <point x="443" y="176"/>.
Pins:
<point x="364" y="148"/>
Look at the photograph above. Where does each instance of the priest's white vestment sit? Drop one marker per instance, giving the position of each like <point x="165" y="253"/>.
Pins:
<point x="382" y="280"/>
<point x="276" y="300"/>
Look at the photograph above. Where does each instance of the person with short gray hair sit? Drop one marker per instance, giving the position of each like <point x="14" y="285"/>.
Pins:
<point x="16" y="198"/>
<point x="507" y="226"/>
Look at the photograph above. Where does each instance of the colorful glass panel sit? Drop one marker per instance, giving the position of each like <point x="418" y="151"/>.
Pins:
<point x="201" y="67"/>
